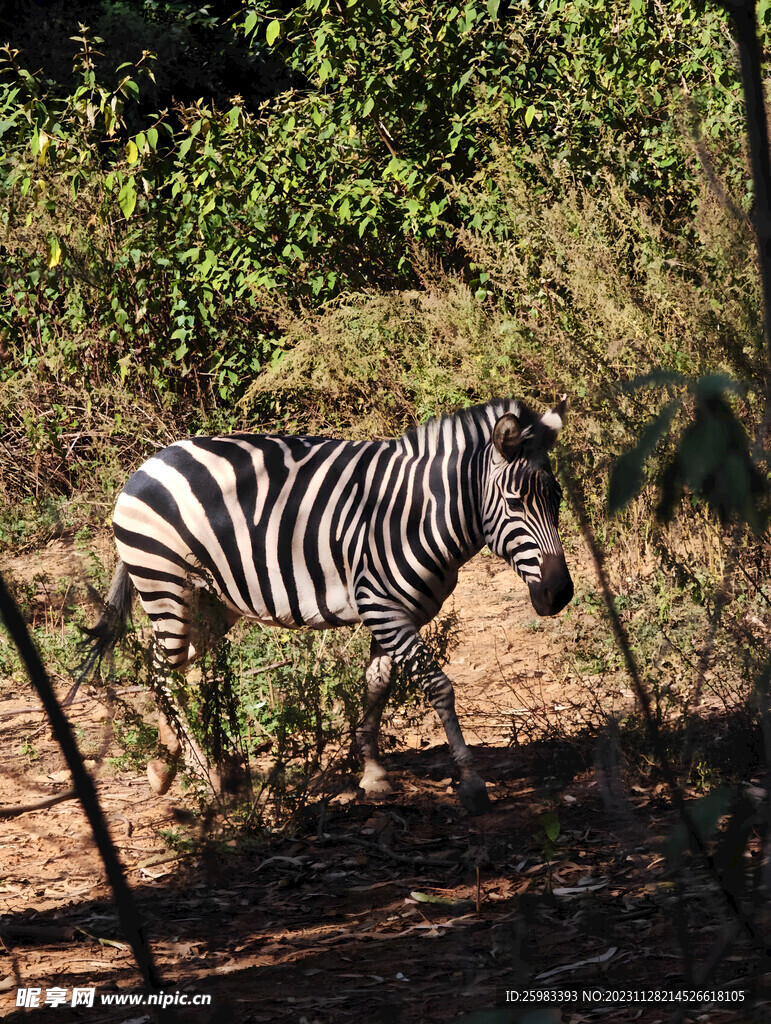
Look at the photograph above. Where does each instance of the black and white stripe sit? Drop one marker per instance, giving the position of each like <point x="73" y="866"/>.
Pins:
<point x="303" y="531"/>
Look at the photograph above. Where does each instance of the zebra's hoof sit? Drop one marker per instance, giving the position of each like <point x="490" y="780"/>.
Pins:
<point x="374" y="781"/>
<point x="160" y="775"/>
<point x="472" y="794"/>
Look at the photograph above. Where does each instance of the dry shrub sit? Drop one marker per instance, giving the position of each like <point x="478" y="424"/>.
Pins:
<point x="64" y="446"/>
<point x="608" y="290"/>
<point x="372" y="365"/>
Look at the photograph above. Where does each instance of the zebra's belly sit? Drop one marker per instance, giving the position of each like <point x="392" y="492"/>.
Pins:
<point x="338" y="610"/>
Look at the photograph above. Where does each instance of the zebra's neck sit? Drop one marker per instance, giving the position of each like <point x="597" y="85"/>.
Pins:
<point x="472" y="427"/>
<point x="454" y="453"/>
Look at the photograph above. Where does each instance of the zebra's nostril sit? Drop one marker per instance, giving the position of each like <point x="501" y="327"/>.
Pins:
<point x="555" y="588"/>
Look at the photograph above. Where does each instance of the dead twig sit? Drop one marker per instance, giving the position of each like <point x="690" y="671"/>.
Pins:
<point x="41" y="805"/>
<point x="376" y="848"/>
<point x="266" y="668"/>
<point x="37" y="932"/>
<point x="30" y="710"/>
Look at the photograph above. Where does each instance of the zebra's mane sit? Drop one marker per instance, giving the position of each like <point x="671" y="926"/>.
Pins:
<point x="477" y="421"/>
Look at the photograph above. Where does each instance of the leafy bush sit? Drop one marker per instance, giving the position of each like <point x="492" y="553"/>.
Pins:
<point x="157" y="246"/>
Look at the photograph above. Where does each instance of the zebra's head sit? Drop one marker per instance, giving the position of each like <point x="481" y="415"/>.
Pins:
<point x="521" y="509"/>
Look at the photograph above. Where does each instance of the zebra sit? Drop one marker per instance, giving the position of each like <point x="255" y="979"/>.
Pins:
<point x="298" y="531"/>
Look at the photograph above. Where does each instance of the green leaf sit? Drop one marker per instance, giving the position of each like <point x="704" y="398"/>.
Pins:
<point x="492" y="8"/>
<point x="251" y="21"/>
<point x="704" y="815"/>
<point x="443" y="901"/>
<point x="712" y="385"/>
<point x="54" y="251"/>
<point x="273" y="31"/>
<point x="551" y="825"/>
<point x="713" y="459"/>
<point x="626" y="477"/>
<point x="132" y="153"/>
<point x="127" y="198"/>
<point x="529" y="115"/>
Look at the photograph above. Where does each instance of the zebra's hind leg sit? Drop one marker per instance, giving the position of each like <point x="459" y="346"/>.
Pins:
<point x="174" y="733"/>
<point x="373" y="779"/>
<point x="200" y="623"/>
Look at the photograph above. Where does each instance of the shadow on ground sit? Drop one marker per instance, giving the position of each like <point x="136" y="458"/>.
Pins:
<point x="403" y="912"/>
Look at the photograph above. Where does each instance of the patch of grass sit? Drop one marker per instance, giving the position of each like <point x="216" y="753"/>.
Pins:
<point x="28" y="749"/>
<point x="697" y="663"/>
<point x="178" y="841"/>
<point x="138" y="739"/>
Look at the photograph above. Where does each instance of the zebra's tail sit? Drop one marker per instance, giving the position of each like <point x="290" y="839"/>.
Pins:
<point x="101" y="639"/>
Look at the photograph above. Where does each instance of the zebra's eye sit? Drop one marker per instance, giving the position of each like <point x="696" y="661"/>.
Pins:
<point x="515" y="503"/>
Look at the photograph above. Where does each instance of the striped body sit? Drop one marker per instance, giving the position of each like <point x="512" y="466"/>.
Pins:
<point x="295" y="531"/>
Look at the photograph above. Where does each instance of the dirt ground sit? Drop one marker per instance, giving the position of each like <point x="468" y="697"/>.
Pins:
<point x="399" y="912"/>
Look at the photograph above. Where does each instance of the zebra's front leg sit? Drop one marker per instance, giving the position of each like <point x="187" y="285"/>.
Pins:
<point x="373" y="779"/>
<point x="421" y="665"/>
<point x="472" y="791"/>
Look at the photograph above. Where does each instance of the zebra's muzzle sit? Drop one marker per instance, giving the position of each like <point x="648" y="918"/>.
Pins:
<point x="552" y="592"/>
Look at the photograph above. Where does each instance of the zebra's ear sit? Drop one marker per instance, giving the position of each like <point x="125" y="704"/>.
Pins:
<point x="506" y="436"/>
<point x="553" y="420"/>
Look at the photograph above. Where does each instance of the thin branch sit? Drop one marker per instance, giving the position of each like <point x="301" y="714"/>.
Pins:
<point x="133" y="929"/>
<point x="742" y="13"/>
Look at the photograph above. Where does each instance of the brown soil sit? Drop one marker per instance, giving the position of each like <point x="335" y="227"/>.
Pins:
<point x="331" y="923"/>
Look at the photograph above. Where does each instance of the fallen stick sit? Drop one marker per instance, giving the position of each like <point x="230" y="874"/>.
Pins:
<point x="14" y="812"/>
<point x="37" y="932"/>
